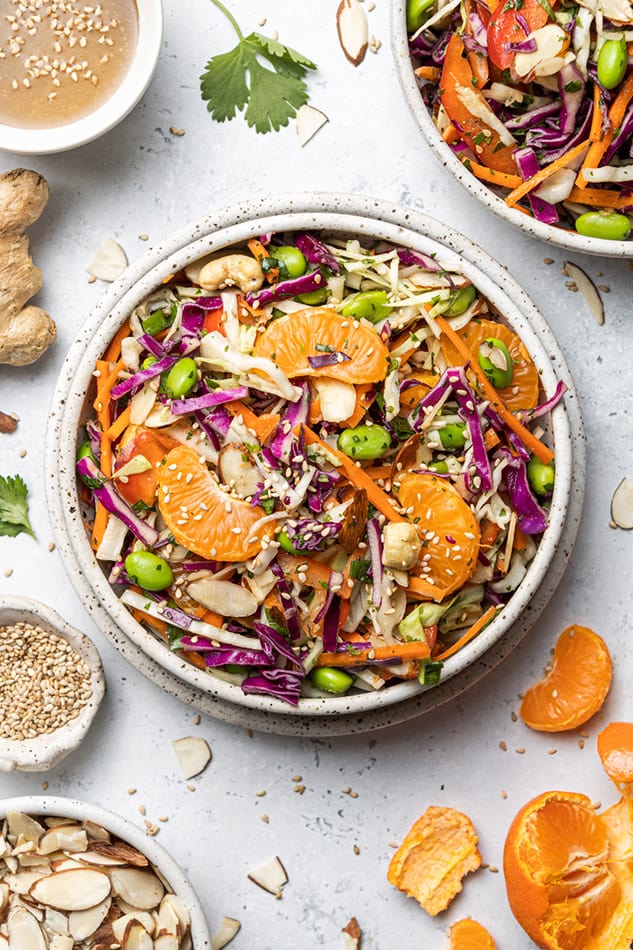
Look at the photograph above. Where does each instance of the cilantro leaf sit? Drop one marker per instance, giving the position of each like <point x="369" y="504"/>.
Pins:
<point x="14" y="516"/>
<point x="260" y="77"/>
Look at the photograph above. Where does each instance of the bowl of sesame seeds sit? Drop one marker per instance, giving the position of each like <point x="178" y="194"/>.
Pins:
<point x="70" y="72"/>
<point x="51" y="686"/>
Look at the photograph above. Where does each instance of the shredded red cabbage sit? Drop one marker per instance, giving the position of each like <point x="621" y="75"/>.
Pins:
<point x="313" y="280"/>
<point x="109" y="497"/>
<point x="315" y="252"/>
<point x="134" y="383"/>
<point x="328" y="359"/>
<point x="181" y="407"/>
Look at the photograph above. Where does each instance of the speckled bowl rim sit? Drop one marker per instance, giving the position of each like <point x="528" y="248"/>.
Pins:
<point x="353" y="215"/>
<point x="124" y="98"/>
<point x="544" y="232"/>
<point x="45" y="751"/>
<point x="52" y="805"/>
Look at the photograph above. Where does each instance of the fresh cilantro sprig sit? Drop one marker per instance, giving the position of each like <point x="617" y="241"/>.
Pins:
<point x="14" y="512"/>
<point x="260" y="77"/>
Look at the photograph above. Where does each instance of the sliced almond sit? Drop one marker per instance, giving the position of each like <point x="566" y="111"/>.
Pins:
<point x="67" y="864"/>
<point x="271" y="876"/>
<point x="229" y="928"/>
<point x="4" y="897"/>
<point x="141" y="889"/>
<point x="136" y="937"/>
<point x="65" y="838"/>
<point x="33" y="860"/>
<point x="95" y="832"/>
<point x="23" y="826"/>
<point x="95" y="859"/>
<point x="4" y="942"/>
<point x="193" y="754"/>
<point x="55" y="922"/>
<point x="167" y="920"/>
<point x="83" y="923"/>
<point x="61" y="943"/>
<point x="230" y="599"/>
<point x="353" y="30"/>
<point x="309" y="121"/>
<point x="352" y="935"/>
<point x="109" y="262"/>
<point x="587" y="288"/>
<point x="22" y="882"/>
<point x="141" y="916"/>
<point x="120" y="851"/>
<point x="236" y="469"/>
<point x="24" y="931"/>
<point x="180" y="910"/>
<point x="622" y="505"/>
<point x="72" y="890"/>
<point x="166" y="942"/>
<point x="354" y="521"/>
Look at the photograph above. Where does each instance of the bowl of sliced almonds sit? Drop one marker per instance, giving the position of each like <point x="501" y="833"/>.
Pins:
<point x="73" y="875"/>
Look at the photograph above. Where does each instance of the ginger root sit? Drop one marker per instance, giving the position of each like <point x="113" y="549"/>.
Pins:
<point x="26" y="332"/>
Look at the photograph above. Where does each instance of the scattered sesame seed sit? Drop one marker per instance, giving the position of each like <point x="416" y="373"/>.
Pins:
<point x="503" y="746"/>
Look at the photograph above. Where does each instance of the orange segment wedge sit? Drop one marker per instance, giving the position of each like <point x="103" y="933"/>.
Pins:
<point x="154" y="446"/>
<point x="469" y="934"/>
<point x="200" y="515"/>
<point x="575" y="687"/>
<point x="291" y="340"/>
<point x="524" y="389"/>
<point x="559" y="884"/>
<point x="615" y="748"/>
<point x="447" y="526"/>
<point x="438" y="851"/>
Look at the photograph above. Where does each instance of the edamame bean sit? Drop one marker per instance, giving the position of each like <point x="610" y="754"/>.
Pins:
<point x="612" y="62"/>
<point x="85" y="451"/>
<point x="460" y="301"/>
<point x="286" y="543"/>
<point x="331" y="680"/>
<point x="148" y="361"/>
<point x="291" y="258"/>
<point x="416" y="10"/>
<point x="441" y="467"/>
<point x="364" y="442"/>
<point x="148" y="570"/>
<point x="453" y="435"/>
<point x="182" y="377"/>
<point x="370" y="304"/>
<point x="314" y="297"/>
<point x="609" y="225"/>
<point x="496" y="362"/>
<point x="156" y="322"/>
<point x="540" y="476"/>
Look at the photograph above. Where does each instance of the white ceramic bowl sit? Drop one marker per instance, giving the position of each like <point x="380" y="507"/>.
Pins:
<point x="121" y="102"/>
<point x="484" y="193"/>
<point x="370" y="219"/>
<point x="45" y="751"/>
<point x="50" y="805"/>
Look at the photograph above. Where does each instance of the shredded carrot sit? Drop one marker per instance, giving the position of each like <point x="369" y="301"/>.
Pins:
<point x="490" y="175"/>
<point x="317" y="575"/>
<point x="616" y="114"/>
<point x="430" y="73"/>
<point x="491" y="439"/>
<point x="599" y="197"/>
<point x="358" y="477"/>
<point x="450" y="134"/>
<point x="470" y="634"/>
<point x="544" y="173"/>
<point x="99" y="526"/>
<point x="314" y="410"/>
<point x="596" y="117"/>
<point x="415" y="650"/>
<point x="120" y="425"/>
<point x="257" y="249"/>
<point x="489" y="534"/>
<point x="263" y="426"/>
<point x="365" y="395"/>
<point x="421" y="589"/>
<point x="542" y="452"/>
<point x="379" y="472"/>
<point x="161" y="627"/>
<point x="520" y="540"/>
<point x="105" y="381"/>
<point x="114" y="350"/>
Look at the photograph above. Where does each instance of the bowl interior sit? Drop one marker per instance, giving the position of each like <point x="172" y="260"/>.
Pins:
<point x="422" y="234"/>
<point x="484" y="193"/>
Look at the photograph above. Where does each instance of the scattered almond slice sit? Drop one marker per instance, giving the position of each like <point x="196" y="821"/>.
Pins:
<point x="309" y="121"/>
<point x="270" y="876"/>
<point x="352" y="935"/>
<point x="353" y="30"/>
<point x="120" y="852"/>
<point x="193" y="754"/>
<point x="109" y="262"/>
<point x="72" y="890"/>
<point x="139" y="888"/>
<point x="229" y="928"/>
<point x="166" y="942"/>
<point x="622" y="505"/>
<point x="60" y="942"/>
<point x="83" y="923"/>
<point x="23" y="826"/>
<point x="588" y="289"/>
<point x="140" y="916"/>
<point x="24" y="931"/>
<point x="65" y="838"/>
<point x="136" y="937"/>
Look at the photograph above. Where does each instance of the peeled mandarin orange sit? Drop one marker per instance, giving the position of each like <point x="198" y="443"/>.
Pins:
<point x="289" y="342"/>
<point x="154" y="446"/>
<point x="200" y="515"/>
<point x="524" y="389"/>
<point x="447" y="526"/>
<point x="575" y="687"/>
<point x="559" y="884"/>
<point x="439" y="849"/>
<point x="468" y="934"/>
<point x="615" y="748"/>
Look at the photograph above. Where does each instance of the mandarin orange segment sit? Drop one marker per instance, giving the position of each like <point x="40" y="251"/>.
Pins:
<point x="618" y="820"/>
<point x="469" y="934"/>
<point x="410" y="397"/>
<point x="559" y="884"/>
<point x="524" y="389"/>
<point x="575" y="687"/>
<point x="154" y="445"/>
<point x="200" y="515"/>
<point x="615" y="748"/>
<point x="447" y="526"/>
<point x="291" y="340"/>
<point x="438" y="851"/>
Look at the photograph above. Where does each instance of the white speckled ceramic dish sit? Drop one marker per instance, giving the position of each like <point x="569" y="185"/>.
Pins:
<point x="485" y="194"/>
<point x="368" y="218"/>
<point x="45" y="751"/>
<point x="50" y="805"/>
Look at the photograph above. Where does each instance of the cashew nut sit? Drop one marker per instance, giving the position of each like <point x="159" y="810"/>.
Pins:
<point x="234" y="270"/>
<point x="401" y="545"/>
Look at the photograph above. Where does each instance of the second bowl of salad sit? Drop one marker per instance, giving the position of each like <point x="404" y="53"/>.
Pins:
<point x="529" y="104"/>
<point x="320" y="460"/>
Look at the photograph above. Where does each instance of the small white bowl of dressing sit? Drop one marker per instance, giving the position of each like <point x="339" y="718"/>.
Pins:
<point x="70" y="71"/>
